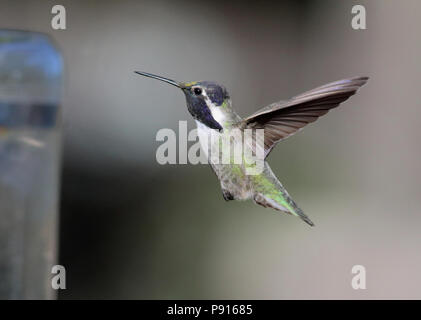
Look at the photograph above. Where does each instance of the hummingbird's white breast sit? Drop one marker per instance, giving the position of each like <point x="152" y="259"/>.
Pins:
<point x="208" y="138"/>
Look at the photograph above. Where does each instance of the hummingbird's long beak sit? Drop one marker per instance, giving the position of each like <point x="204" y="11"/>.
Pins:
<point x="154" y="76"/>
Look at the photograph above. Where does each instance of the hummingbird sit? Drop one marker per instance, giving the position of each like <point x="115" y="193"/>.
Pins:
<point x="210" y="105"/>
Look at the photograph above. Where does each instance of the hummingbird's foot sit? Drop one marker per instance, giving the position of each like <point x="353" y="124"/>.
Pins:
<point x="227" y="195"/>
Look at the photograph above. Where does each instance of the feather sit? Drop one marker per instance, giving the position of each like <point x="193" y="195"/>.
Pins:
<point x="283" y="119"/>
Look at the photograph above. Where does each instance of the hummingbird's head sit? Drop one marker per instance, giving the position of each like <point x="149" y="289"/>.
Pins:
<point x="204" y="99"/>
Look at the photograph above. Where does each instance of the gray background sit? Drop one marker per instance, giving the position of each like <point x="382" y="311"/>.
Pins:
<point x="131" y="228"/>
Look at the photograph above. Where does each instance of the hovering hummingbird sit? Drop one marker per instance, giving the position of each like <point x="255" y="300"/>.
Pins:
<point x="210" y="105"/>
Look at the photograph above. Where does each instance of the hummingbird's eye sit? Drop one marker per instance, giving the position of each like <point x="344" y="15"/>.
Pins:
<point x="197" y="91"/>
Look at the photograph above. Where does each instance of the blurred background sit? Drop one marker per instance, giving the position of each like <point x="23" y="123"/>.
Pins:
<point x="131" y="228"/>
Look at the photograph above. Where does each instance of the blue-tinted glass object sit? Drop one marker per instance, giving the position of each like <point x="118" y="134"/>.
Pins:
<point x="30" y="90"/>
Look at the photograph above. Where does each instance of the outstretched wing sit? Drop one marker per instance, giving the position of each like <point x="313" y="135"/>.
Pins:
<point x="282" y="119"/>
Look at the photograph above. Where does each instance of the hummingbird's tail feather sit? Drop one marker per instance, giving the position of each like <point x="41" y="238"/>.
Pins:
<point x="282" y="202"/>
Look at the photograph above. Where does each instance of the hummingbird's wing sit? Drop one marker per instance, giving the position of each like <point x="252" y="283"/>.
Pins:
<point x="282" y="119"/>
